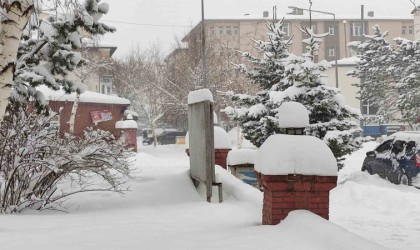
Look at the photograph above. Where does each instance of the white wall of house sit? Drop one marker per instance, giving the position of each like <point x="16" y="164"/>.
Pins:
<point x="416" y="14"/>
<point x="345" y="83"/>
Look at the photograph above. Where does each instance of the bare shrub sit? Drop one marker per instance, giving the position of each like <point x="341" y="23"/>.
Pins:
<point x="38" y="168"/>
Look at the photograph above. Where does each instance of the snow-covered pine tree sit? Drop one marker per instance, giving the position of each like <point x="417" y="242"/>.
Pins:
<point x="288" y="77"/>
<point x="329" y="116"/>
<point x="406" y="58"/>
<point x="256" y="113"/>
<point x="48" y="56"/>
<point x="379" y="75"/>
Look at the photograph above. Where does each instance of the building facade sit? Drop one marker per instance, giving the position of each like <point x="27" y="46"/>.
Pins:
<point x="238" y="34"/>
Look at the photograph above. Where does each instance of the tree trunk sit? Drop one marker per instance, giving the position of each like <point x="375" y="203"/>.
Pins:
<point x="73" y="114"/>
<point x="154" y="134"/>
<point x="13" y="20"/>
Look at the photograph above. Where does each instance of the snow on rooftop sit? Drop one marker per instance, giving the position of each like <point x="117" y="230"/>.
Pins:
<point x="293" y="115"/>
<point x="292" y="154"/>
<point x="200" y="95"/>
<point x="85" y="97"/>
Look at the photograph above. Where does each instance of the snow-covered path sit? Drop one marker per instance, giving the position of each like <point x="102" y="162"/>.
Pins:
<point x="164" y="211"/>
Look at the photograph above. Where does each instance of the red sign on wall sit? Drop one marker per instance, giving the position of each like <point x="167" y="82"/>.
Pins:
<point x="101" y="116"/>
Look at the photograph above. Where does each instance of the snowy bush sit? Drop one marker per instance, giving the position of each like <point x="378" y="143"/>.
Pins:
<point x="38" y="168"/>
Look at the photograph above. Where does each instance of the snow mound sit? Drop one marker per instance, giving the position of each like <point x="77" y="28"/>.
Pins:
<point x="321" y="233"/>
<point x="221" y="138"/>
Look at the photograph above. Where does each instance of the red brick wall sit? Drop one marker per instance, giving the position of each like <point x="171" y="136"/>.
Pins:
<point x="83" y="119"/>
<point x="285" y="193"/>
<point x="220" y="156"/>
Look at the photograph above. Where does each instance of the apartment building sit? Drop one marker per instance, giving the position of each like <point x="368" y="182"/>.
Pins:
<point x="238" y="33"/>
<point x="96" y="75"/>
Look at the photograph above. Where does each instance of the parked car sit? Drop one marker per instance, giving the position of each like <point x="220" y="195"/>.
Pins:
<point x="163" y="136"/>
<point x="169" y="137"/>
<point x="397" y="158"/>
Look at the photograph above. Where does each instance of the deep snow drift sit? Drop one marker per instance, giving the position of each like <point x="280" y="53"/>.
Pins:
<point x="165" y="211"/>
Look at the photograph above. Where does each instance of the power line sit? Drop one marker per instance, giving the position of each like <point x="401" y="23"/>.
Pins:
<point x="149" y="24"/>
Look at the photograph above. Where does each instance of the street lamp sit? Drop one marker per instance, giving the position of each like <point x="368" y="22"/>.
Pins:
<point x="296" y="9"/>
<point x="203" y="46"/>
<point x="345" y="37"/>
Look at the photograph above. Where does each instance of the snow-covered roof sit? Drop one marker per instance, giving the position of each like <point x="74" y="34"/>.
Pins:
<point x="85" y="97"/>
<point x="293" y="154"/>
<point x="305" y="17"/>
<point x="200" y="96"/>
<point x="293" y="115"/>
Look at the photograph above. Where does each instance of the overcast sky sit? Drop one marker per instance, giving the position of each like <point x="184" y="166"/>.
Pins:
<point x="160" y="21"/>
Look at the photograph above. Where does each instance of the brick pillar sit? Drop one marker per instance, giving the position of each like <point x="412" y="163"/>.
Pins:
<point x="285" y="193"/>
<point x="129" y="135"/>
<point x="220" y="156"/>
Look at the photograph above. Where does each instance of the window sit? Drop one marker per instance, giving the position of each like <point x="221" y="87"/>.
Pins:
<point x="228" y="31"/>
<point x="331" y="51"/>
<point x="404" y="30"/>
<point x="285" y="28"/>
<point x="331" y="30"/>
<point x="368" y="108"/>
<point x="385" y="146"/>
<point x="357" y="29"/>
<point x="410" y="30"/>
<point x="410" y="148"/>
<point x="220" y="30"/>
<point x="236" y="30"/>
<point x="398" y="146"/>
<point x="212" y="31"/>
<point x="105" y="83"/>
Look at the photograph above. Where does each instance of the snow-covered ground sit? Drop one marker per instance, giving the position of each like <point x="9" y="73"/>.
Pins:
<point x="370" y="206"/>
<point x="163" y="210"/>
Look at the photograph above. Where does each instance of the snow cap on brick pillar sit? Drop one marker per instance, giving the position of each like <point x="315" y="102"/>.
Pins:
<point x="128" y="132"/>
<point x="290" y="154"/>
<point x="294" y="117"/>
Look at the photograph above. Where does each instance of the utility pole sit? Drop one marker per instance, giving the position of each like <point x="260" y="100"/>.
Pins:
<point x="310" y="14"/>
<point x="203" y="46"/>
<point x="362" y="79"/>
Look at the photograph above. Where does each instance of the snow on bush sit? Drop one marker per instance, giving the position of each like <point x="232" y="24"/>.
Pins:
<point x="38" y="168"/>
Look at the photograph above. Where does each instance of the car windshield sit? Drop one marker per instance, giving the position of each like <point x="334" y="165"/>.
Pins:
<point x="385" y="146"/>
